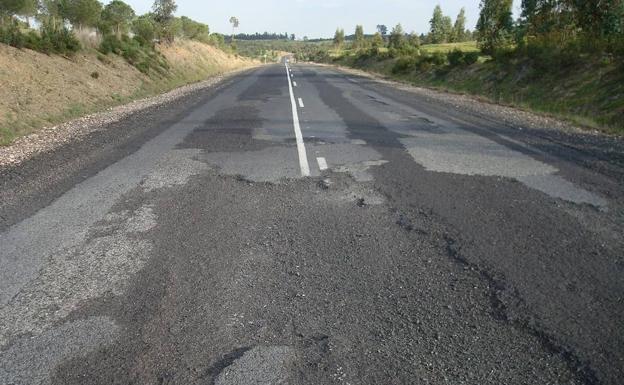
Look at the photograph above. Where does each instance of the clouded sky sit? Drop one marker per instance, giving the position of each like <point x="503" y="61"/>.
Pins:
<point x="316" y="18"/>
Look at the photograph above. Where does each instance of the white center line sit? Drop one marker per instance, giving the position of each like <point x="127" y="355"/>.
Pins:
<point x="303" y="156"/>
<point x="294" y="84"/>
<point x="301" y="103"/>
<point x="322" y="163"/>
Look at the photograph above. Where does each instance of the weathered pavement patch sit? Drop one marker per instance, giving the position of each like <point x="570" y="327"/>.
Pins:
<point x="341" y="291"/>
<point x="203" y="257"/>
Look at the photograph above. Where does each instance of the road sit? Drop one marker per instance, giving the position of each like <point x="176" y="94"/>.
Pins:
<point x="302" y="225"/>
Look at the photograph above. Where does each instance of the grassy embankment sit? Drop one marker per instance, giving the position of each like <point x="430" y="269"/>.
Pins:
<point x="40" y="90"/>
<point x="586" y="90"/>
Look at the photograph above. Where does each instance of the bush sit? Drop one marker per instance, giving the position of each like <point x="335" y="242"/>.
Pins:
<point x="456" y="57"/>
<point x="404" y="65"/>
<point x="438" y="58"/>
<point x="142" y="56"/>
<point x="49" y="40"/>
<point x="471" y="58"/>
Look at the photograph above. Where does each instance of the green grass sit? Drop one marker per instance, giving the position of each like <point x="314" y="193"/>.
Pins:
<point x="469" y="46"/>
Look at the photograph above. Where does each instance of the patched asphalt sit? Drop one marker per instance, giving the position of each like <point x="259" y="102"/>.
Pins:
<point x="438" y="247"/>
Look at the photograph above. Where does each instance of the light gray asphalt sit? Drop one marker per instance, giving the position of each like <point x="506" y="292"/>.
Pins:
<point x="436" y="248"/>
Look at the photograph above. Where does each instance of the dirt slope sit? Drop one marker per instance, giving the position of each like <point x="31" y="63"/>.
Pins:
<point x="38" y="90"/>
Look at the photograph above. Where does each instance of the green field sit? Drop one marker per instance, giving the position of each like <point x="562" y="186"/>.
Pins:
<point x="469" y="46"/>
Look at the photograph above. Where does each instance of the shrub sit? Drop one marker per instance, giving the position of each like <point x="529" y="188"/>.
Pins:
<point x="471" y="58"/>
<point x="95" y="75"/>
<point x="404" y="65"/>
<point x="456" y="57"/>
<point x="58" y="40"/>
<point x="438" y="58"/>
<point x="11" y="35"/>
<point x="49" y="40"/>
<point x="143" y="57"/>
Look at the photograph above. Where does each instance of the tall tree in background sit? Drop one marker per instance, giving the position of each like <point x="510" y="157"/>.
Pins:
<point x="117" y="16"/>
<point x="144" y="27"/>
<point x="495" y="25"/>
<point x="397" y="37"/>
<point x="84" y="13"/>
<point x="382" y="29"/>
<point x="359" y="37"/>
<point x="414" y="40"/>
<point x="377" y="41"/>
<point x="9" y="8"/>
<point x="440" y="26"/>
<point x="235" y="24"/>
<point x="163" y="11"/>
<point x="339" y="38"/>
<point x="459" y="29"/>
<point x="53" y="13"/>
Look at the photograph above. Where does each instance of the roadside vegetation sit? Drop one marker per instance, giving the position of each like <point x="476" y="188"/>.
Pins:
<point x="563" y="58"/>
<point x="60" y="59"/>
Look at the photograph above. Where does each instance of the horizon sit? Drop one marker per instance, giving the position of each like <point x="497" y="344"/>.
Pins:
<point x="299" y="17"/>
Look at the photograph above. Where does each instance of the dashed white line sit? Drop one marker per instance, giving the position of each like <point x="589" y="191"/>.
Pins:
<point x="301" y="103"/>
<point x="322" y="164"/>
<point x="303" y="156"/>
<point x="294" y="84"/>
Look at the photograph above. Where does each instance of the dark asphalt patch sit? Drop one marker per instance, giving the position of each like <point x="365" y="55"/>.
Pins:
<point x="356" y="296"/>
<point x="514" y="234"/>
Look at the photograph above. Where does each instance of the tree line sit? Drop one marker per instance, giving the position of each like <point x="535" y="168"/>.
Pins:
<point x="547" y="25"/>
<point x="265" y="36"/>
<point x="442" y="30"/>
<point x="59" y="20"/>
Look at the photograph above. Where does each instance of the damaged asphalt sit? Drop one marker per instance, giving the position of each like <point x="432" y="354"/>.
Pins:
<point x="182" y="246"/>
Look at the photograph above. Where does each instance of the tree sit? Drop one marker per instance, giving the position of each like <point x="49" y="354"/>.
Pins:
<point x="144" y="27"/>
<point x="441" y="26"/>
<point x="414" y="40"/>
<point x="164" y="10"/>
<point x="339" y="38"/>
<point x="117" y="16"/>
<point x="382" y="29"/>
<point x="397" y="37"/>
<point x="459" y="29"/>
<point x="235" y="23"/>
<point x="377" y="41"/>
<point x="163" y="14"/>
<point x="359" y="37"/>
<point x="495" y="25"/>
<point x="192" y="29"/>
<point x="293" y="37"/>
<point x="84" y="13"/>
<point x="53" y="13"/>
<point x="25" y="8"/>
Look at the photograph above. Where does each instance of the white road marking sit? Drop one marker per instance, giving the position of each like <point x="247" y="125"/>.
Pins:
<point x="303" y="156"/>
<point x="294" y="84"/>
<point x="301" y="103"/>
<point x="352" y="80"/>
<point x="322" y="164"/>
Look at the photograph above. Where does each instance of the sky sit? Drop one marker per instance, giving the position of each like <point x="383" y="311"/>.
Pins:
<point x="317" y="18"/>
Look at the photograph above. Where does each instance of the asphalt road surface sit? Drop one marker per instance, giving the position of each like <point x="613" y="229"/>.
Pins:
<point x="301" y="225"/>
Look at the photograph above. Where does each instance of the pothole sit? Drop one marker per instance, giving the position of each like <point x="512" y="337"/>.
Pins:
<point x="261" y="365"/>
